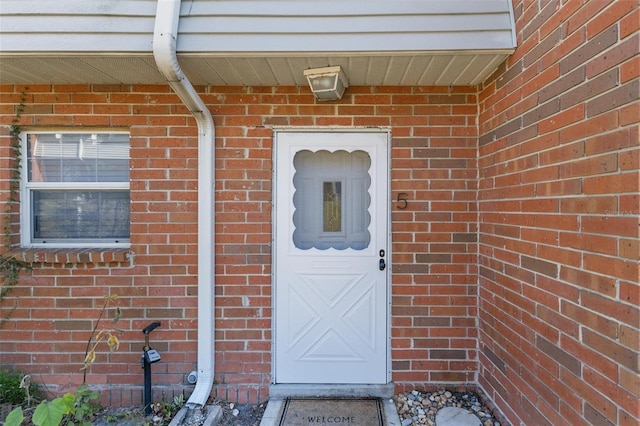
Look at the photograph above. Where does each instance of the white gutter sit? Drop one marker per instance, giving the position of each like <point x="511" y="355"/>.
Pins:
<point x="164" y="51"/>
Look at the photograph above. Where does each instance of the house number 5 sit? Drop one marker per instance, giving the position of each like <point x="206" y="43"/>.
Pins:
<point x="402" y="198"/>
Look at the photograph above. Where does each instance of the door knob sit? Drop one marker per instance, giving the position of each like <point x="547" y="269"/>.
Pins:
<point x="382" y="265"/>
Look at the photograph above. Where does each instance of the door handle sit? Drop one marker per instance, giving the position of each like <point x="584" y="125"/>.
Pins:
<point x="382" y="265"/>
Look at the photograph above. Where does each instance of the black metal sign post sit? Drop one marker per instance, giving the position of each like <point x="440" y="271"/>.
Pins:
<point x="149" y="356"/>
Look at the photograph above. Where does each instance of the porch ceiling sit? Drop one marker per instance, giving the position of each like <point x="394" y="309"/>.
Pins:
<point x="257" y="43"/>
<point x="403" y="69"/>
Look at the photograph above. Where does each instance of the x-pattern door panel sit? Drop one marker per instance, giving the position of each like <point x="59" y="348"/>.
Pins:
<point x="342" y="317"/>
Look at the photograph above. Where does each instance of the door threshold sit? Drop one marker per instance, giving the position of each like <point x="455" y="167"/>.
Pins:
<point x="285" y="390"/>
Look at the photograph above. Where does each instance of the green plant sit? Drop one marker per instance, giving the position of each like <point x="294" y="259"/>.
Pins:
<point x="51" y="413"/>
<point x="14" y="418"/>
<point x="10" y="267"/>
<point x="70" y="409"/>
<point x="10" y="391"/>
<point x="85" y="405"/>
<point x="110" y="301"/>
<point x="76" y="408"/>
<point x="16" y="388"/>
<point x="166" y="410"/>
<point x="119" y="417"/>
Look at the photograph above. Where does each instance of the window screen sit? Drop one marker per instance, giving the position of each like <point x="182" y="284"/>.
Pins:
<point x="331" y="200"/>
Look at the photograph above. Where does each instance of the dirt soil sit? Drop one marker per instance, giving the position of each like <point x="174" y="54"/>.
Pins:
<point x="247" y="414"/>
<point x="232" y="415"/>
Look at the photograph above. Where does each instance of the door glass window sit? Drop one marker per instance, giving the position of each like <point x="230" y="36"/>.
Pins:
<point x="332" y="206"/>
<point x="331" y="200"/>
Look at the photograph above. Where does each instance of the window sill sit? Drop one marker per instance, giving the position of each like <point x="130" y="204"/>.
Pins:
<point x="73" y="256"/>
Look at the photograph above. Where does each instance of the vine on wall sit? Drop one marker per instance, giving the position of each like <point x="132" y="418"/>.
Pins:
<point x="10" y="267"/>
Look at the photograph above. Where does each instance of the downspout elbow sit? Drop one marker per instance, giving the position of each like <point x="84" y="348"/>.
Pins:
<point x="164" y="52"/>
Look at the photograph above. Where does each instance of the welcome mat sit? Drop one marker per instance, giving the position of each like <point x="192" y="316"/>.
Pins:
<point x="332" y="412"/>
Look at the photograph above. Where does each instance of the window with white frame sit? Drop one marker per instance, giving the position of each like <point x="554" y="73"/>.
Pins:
<point x="75" y="189"/>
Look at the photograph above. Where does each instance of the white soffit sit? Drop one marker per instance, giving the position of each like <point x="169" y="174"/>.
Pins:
<point x="257" y="42"/>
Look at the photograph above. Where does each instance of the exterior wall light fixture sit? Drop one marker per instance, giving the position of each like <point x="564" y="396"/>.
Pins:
<point x="328" y="83"/>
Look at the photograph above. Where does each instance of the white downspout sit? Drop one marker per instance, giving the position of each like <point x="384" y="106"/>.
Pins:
<point x="164" y="51"/>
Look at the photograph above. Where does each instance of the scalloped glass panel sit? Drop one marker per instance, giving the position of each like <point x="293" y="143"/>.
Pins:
<point x="331" y="200"/>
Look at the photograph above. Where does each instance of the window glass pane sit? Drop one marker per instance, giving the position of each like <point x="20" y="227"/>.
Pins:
<point x="78" y="157"/>
<point x="331" y="200"/>
<point x="80" y="214"/>
<point x="332" y="206"/>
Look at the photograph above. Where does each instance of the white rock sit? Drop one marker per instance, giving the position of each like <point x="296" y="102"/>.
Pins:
<point x="450" y="416"/>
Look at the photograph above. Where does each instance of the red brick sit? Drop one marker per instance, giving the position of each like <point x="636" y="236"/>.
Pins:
<point x="609" y="16"/>
<point x="562" y="119"/>
<point x="611" y="225"/>
<point x="603" y="184"/>
<point x="612" y="141"/>
<point x="584" y="14"/>
<point x="630" y="381"/>
<point x="562" y="153"/>
<point x="629" y="24"/>
<point x="615" y="56"/>
<point x="590" y="127"/>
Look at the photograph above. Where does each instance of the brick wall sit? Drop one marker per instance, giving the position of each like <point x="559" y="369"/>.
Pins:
<point x="514" y="264"/>
<point x="434" y="238"/>
<point x="558" y="217"/>
<point x="434" y="275"/>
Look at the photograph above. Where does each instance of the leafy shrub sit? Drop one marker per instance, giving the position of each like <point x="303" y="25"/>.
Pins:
<point x="77" y="408"/>
<point x="70" y="409"/>
<point x="10" y="390"/>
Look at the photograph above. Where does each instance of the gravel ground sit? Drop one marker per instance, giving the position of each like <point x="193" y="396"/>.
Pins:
<point x="232" y="415"/>
<point x="415" y="408"/>
<point x="418" y="408"/>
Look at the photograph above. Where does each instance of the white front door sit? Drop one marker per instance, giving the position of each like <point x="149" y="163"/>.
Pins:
<point x="331" y="256"/>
